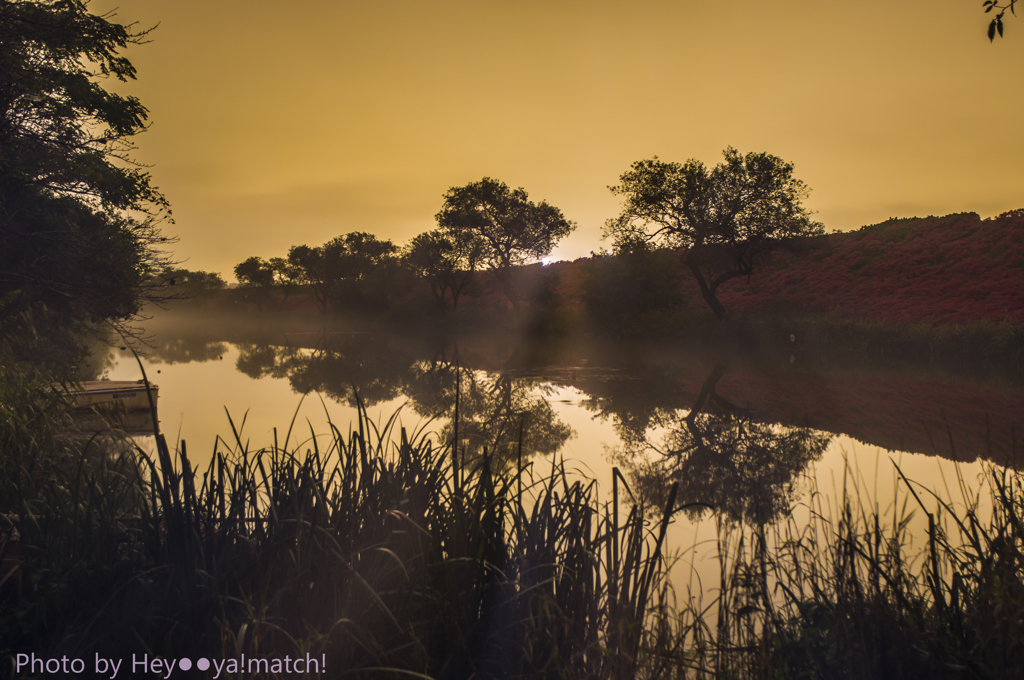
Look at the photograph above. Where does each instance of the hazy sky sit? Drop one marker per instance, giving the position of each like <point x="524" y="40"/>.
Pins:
<point x="279" y="123"/>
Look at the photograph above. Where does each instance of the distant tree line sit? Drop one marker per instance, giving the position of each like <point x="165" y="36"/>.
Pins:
<point x="718" y="223"/>
<point x="81" y="243"/>
<point x="483" y="227"/>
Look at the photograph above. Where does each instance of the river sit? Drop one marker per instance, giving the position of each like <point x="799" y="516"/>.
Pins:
<point x="760" y="439"/>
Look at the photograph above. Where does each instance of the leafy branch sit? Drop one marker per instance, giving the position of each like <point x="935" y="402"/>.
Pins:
<point x="996" y="25"/>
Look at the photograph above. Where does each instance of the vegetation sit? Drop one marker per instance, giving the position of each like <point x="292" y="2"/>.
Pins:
<point x="996" y="25"/>
<point x="190" y="285"/>
<point x="79" y="221"/>
<point x="353" y="271"/>
<point x="374" y="553"/>
<point x="726" y="220"/>
<point x="386" y="555"/>
<point x="844" y="594"/>
<point x="451" y="556"/>
<point x="448" y="261"/>
<point x="947" y="271"/>
<point x="512" y="229"/>
<point x="637" y="289"/>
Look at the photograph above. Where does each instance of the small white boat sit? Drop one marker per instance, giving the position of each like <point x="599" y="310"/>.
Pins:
<point x="125" y="394"/>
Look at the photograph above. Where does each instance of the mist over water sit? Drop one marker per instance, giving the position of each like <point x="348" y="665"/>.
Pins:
<point x="745" y="433"/>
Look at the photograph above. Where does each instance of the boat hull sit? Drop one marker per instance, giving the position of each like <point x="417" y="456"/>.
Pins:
<point x="128" y="395"/>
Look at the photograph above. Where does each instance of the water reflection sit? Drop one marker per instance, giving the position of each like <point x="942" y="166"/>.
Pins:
<point x="504" y="413"/>
<point x="737" y="438"/>
<point x="509" y="415"/>
<point x="184" y="349"/>
<point x="719" y="453"/>
<point x="339" y="367"/>
<point x="746" y="470"/>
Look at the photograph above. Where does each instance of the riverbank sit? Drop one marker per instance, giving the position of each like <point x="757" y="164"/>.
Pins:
<point x="387" y="557"/>
<point x="951" y="271"/>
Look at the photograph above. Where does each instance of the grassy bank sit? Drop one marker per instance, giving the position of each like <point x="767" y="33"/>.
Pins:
<point x="379" y="554"/>
<point x="384" y="555"/>
<point x="849" y="591"/>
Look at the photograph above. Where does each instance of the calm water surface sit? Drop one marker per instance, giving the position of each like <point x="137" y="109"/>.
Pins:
<point x="757" y="439"/>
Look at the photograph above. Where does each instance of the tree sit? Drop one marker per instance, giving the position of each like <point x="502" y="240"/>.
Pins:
<point x="366" y="273"/>
<point x="255" y="272"/>
<point x="447" y="261"/>
<point x="514" y="231"/>
<point x="191" y="285"/>
<point x="357" y="267"/>
<point x="256" y="275"/>
<point x="79" y="220"/>
<point x="726" y="220"/>
<point x="287" y="276"/>
<point x="310" y="262"/>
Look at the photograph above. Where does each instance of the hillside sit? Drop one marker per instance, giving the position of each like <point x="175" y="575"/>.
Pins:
<point x="950" y="270"/>
<point x="942" y="270"/>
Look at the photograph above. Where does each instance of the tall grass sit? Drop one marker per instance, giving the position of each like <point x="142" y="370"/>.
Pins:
<point x="370" y="549"/>
<point x="390" y="555"/>
<point x="846" y="593"/>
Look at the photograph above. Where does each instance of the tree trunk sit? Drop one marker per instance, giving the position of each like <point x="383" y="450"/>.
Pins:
<point x="705" y="290"/>
<point x="707" y="392"/>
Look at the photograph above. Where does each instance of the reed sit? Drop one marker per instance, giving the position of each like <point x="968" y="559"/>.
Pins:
<point x="364" y="547"/>
<point x="391" y="555"/>
<point x="845" y="592"/>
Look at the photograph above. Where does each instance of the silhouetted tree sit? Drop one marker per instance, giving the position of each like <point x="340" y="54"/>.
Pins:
<point x="287" y="276"/>
<point x="255" y="272"/>
<point x="726" y="219"/>
<point x="79" y="220"/>
<point x="256" y="277"/>
<point x="513" y="229"/>
<point x="315" y="271"/>
<point x="357" y="268"/>
<point x="185" y="284"/>
<point x="448" y="261"/>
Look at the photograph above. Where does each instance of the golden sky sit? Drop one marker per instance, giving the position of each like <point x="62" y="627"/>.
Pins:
<point x="279" y="123"/>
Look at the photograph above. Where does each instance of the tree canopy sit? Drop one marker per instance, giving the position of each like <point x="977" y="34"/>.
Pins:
<point x="255" y="272"/>
<point x="357" y="267"/>
<point x="447" y="261"/>
<point x="514" y="230"/>
<point x="725" y="219"/>
<point x="79" y="220"/>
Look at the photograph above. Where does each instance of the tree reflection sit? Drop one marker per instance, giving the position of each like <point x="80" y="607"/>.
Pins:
<point x="340" y="367"/>
<point x="185" y="349"/>
<point x="746" y="470"/>
<point x="492" y="407"/>
<point x="495" y="410"/>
